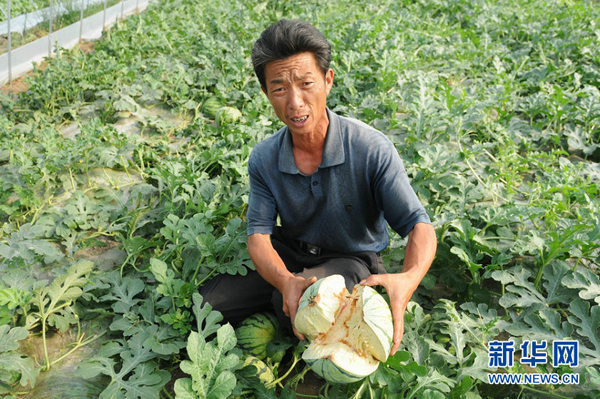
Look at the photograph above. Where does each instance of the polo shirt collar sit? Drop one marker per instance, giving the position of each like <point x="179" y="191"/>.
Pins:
<point x="333" y="149"/>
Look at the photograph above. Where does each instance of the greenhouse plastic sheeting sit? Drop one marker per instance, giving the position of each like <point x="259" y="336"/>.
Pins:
<point x="24" y="22"/>
<point x="23" y="57"/>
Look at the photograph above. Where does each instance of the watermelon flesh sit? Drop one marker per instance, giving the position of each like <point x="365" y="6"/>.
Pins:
<point x="349" y="333"/>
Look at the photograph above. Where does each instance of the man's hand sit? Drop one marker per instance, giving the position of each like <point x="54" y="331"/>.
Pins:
<point x="420" y="251"/>
<point x="396" y="285"/>
<point x="270" y="266"/>
<point x="292" y="293"/>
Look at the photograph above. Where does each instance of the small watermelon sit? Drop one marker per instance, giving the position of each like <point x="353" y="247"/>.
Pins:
<point x="264" y="373"/>
<point x="254" y="333"/>
<point x="226" y="115"/>
<point x="350" y="333"/>
<point x="211" y="106"/>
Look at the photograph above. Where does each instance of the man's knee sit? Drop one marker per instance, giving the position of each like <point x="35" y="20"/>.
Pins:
<point x="353" y="270"/>
<point x="237" y="297"/>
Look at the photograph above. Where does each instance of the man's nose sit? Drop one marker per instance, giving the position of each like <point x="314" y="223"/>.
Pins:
<point x="296" y="99"/>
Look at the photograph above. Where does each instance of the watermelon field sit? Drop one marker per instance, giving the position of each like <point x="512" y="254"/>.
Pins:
<point x="124" y="187"/>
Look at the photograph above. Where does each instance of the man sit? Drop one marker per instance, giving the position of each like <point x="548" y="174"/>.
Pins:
<point x="334" y="183"/>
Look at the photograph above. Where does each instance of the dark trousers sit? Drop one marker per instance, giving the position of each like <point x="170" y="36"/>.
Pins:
<point x="238" y="297"/>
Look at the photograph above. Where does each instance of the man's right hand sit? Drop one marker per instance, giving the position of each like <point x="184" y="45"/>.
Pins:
<point x="270" y="266"/>
<point x="292" y="293"/>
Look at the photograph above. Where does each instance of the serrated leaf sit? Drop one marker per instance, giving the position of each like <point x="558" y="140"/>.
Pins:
<point x="123" y="293"/>
<point x="585" y="281"/>
<point x="543" y="324"/>
<point x="10" y="336"/>
<point x="434" y="380"/>
<point x="68" y="286"/>
<point x="21" y="364"/>
<point x="478" y="369"/>
<point x="521" y="293"/>
<point x="553" y="274"/>
<point x="163" y="340"/>
<point x="137" y="377"/>
<point x="210" y="365"/>
<point x="587" y="319"/>
<point x="207" y="319"/>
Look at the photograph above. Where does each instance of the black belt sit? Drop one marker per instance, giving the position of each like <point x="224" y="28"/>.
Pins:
<point x="314" y="250"/>
<point x="309" y="248"/>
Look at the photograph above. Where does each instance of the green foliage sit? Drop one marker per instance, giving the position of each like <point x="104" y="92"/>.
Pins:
<point x="14" y="366"/>
<point x="211" y="362"/>
<point x="493" y="107"/>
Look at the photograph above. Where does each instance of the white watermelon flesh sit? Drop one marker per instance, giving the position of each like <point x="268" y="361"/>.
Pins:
<point x="350" y="333"/>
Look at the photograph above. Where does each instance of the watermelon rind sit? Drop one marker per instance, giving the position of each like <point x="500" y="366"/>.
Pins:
<point x="263" y="372"/>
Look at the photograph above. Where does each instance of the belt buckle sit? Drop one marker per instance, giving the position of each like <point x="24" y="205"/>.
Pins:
<point x="309" y="248"/>
<point x="313" y="249"/>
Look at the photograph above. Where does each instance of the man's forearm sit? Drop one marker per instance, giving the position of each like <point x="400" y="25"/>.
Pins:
<point x="420" y="251"/>
<point x="267" y="261"/>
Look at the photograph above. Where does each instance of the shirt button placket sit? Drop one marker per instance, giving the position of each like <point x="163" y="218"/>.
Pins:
<point x="316" y="185"/>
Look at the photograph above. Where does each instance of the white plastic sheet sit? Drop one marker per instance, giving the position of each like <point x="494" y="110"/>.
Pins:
<point x="23" y="57"/>
<point x="23" y="22"/>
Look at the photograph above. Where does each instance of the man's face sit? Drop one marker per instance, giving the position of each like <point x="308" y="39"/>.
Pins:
<point x="297" y="90"/>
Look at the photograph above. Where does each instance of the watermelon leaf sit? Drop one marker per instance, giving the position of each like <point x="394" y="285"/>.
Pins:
<point x="12" y="362"/>
<point x="212" y="363"/>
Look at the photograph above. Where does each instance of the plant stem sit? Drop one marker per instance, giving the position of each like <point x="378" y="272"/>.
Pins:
<point x="277" y="381"/>
<point x="78" y="345"/>
<point x="527" y="387"/>
<point x="360" y="389"/>
<point x="167" y="393"/>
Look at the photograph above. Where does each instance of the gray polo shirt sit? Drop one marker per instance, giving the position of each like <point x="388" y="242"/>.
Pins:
<point x="346" y="205"/>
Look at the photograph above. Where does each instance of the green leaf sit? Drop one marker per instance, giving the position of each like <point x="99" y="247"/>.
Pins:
<point x="22" y="364"/>
<point x="123" y="292"/>
<point x="587" y="319"/>
<point x="210" y="365"/>
<point x="135" y="376"/>
<point x="585" y="281"/>
<point x="544" y="324"/>
<point x="68" y="286"/>
<point x="10" y="336"/>
<point x="207" y="319"/>
<point x="12" y="361"/>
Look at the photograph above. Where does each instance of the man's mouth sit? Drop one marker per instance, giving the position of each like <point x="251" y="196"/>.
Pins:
<point x="299" y="120"/>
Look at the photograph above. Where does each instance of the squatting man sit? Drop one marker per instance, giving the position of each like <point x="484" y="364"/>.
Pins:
<point x="335" y="184"/>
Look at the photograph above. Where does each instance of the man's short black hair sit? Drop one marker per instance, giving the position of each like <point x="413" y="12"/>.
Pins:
<point x="286" y="38"/>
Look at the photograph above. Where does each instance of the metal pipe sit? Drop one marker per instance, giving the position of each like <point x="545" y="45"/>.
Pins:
<point x="81" y="22"/>
<point x="9" y="46"/>
<point x="50" y="29"/>
<point x="104" y="16"/>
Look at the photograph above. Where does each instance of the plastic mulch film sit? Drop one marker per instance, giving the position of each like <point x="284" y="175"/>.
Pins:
<point x="22" y="58"/>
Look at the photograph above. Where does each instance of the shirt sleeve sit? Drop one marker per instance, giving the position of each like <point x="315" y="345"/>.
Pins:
<point x="262" y="208"/>
<point x="393" y="193"/>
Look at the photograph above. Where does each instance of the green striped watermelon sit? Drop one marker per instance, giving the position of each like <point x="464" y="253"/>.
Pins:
<point x="349" y="333"/>
<point x="254" y="333"/>
<point x="263" y="372"/>
<point x="211" y="106"/>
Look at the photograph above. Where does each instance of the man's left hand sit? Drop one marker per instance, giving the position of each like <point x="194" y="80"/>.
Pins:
<point x="420" y="251"/>
<point x="399" y="289"/>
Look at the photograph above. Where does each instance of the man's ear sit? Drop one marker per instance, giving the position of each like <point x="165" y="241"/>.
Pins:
<point x="329" y="80"/>
<point x="264" y="90"/>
